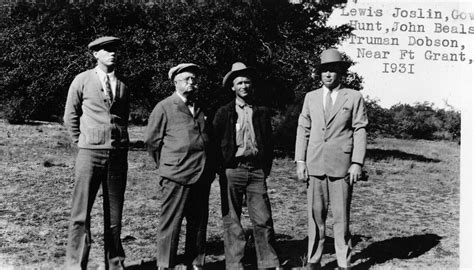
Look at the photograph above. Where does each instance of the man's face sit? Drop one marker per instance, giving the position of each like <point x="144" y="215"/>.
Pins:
<point x="242" y="86"/>
<point x="186" y="83"/>
<point x="106" y="55"/>
<point x="331" y="77"/>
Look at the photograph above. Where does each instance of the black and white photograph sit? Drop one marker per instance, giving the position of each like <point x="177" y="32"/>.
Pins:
<point x="238" y="135"/>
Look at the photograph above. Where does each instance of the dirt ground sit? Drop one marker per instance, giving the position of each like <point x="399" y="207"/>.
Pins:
<point x="406" y="216"/>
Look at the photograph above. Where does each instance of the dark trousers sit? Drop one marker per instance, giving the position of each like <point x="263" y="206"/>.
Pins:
<point x="178" y="202"/>
<point x="250" y="181"/>
<point x="323" y="191"/>
<point x="94" y="168"/>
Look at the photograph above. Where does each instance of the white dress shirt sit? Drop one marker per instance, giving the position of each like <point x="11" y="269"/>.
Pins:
<point x="112" y="78"/>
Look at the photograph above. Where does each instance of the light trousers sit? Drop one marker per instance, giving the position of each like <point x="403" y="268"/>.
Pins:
<point x="322" y="192"/>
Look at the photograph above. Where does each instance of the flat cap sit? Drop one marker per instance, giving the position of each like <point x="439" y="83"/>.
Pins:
<point x="182" y="68"/>
<point x="102" y="41"/>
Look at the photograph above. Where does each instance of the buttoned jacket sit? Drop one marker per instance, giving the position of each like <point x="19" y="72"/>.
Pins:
<point x="91" y="120"/>
<point x="330" y="146"/>
<point x="179" y="142"/>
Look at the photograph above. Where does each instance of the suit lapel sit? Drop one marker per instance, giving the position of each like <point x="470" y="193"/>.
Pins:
<point x="180" y="104"/>
<point x="319" y="105"/>
<point x="340" y="100"/>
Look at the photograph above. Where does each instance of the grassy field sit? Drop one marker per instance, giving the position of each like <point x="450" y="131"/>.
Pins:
<point x="405" y="217"/>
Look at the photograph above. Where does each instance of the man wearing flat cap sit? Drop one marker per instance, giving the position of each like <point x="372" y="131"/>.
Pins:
<point x="330" y="149"/>
<point x="96" y="116"/>
<point x="178" y="139"/>
<point x="243" y="135"/>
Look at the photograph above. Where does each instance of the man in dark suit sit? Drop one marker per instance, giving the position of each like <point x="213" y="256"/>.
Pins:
<point x="330" y="149"/>
<point x="178" y="139"/>
<point x="96" y="116"/>
<point x="244" y="133"/>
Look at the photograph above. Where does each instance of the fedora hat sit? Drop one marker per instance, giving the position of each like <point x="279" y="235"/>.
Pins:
<point x="332" y="58"/>
<point x="182" y="68"/>
<point x="238" y="68"/>
<point x="103" y="41"/>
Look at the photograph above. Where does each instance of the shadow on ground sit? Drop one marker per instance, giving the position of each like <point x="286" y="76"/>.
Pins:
<point x="377" y="154"/>
<point x="292" y="253"/>
<point x="393" y="248"/>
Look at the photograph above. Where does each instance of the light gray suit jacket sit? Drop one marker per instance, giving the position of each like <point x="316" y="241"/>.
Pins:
<point x="330" y="148"/>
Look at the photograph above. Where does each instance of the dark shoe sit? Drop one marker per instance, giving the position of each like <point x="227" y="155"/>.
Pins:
<point x="272" y="268"/>
<point x="344" y="268"/>
<point x="313" y="266"/>
<point x="196" y="267"/>
<point x="164" y="268"/>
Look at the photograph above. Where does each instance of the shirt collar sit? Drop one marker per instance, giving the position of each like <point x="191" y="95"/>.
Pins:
<point x="335" y="90"/>
<point x="184" y="99"/>
<point x="241" y="104"/>
<point x="102" y="74"/>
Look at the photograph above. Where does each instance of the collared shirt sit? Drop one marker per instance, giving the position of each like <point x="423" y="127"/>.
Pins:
<point x="103" y="78"/>
<point x="245" y="134"/>
<point x="334" y="94"/>
<point x="184" y="99"/>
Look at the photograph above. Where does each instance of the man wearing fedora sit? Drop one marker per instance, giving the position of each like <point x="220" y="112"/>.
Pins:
<point x="330" y="149"/>
<point x="244" y="136"/>
<point x="178" y="139"/>
<point x="96" y="116"/>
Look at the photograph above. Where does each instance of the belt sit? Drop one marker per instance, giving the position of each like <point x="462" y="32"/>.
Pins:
<point x="250" y="161"/>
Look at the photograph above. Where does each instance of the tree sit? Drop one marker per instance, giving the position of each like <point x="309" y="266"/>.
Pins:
<point x="43" y="48"/>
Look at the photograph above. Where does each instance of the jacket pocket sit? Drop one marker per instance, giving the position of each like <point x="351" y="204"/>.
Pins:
<point x="95" y="136"/>
<point x="170" y="160"/>
<point x="347" y="148"/>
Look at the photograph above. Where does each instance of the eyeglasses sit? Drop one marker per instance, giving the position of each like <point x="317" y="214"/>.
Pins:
<point x="189" y="80"/>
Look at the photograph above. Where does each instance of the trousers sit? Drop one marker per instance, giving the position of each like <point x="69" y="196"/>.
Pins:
<point x="250" y="181"/>
<point x="95" y="168"/>
<point x="183" y="201"/>
<point x="322" y="192"/>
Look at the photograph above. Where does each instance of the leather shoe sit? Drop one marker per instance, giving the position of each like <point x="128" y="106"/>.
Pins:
<point x="197" y="267"/>
<point x="313" y="266"/>
<point x="344" y="268"/>
<point x="164" y="268"/>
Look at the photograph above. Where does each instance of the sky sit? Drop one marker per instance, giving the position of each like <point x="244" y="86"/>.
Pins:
<point x="437" y="82"/>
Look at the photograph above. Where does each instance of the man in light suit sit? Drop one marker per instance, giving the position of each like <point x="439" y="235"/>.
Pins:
<point x="96" y="117"/>
<point x="330" y="149"/>
<point x="178" y="139"/>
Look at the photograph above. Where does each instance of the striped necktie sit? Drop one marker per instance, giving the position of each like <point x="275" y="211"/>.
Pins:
<point x="110" y="95"/>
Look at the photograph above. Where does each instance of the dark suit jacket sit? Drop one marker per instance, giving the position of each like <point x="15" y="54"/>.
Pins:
<point x="330" y="147"/>
<point x="180" y="143"/>
<point x="224" y="132"/>
<point x="90" y="121"/>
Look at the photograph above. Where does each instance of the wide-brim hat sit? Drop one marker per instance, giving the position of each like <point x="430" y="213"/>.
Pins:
<point x="332" y="58"/>
<point x="238" y="69"/>
<point x="182" y="68"/>
<point x="103" y="41"/>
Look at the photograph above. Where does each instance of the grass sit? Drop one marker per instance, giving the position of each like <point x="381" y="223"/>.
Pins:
<point x="405" y="217"/>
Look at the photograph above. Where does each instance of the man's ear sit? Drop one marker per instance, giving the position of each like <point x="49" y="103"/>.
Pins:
<point x="94" y="53"/>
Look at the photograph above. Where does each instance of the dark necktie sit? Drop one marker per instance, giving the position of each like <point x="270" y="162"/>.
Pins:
<point x="110" y="96"/>
<point x="328" y="108"/>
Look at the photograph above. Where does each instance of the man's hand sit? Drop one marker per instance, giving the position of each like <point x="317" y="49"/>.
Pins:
<point x="301" y="170"/>
<point x="355" y="173"/>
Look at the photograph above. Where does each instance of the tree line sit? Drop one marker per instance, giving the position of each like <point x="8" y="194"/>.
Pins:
<point x="42" y="48"/>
